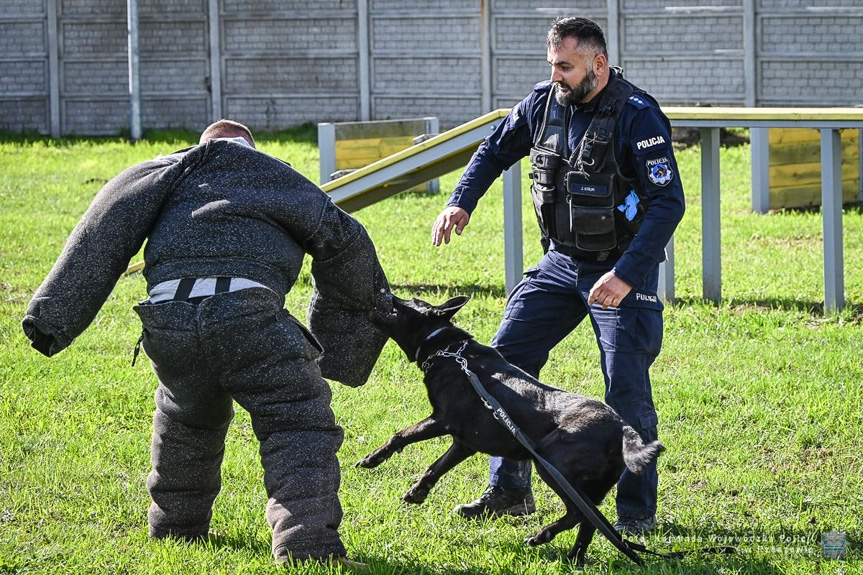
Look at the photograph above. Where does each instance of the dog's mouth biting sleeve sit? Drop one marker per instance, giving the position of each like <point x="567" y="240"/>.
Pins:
<point x="349" y="289"/>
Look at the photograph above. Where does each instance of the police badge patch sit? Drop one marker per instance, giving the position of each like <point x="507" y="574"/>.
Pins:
<point x="659" y="171"/>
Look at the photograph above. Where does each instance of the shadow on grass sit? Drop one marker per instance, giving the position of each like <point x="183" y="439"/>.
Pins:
<point x="238" y="543"/>
<point x="754" y="551"/>
<point x="757" y="552"/>
<point x="446" y="290"/>
<point x="848" y="208"/>
<point x="814" y="308"/>
<point x="705" y="564"/>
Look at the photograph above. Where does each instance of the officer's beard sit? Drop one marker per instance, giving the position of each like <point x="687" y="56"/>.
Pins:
<point x="576" y="94"/>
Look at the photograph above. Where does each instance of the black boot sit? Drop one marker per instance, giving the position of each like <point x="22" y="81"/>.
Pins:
<point x="497" y="501"/>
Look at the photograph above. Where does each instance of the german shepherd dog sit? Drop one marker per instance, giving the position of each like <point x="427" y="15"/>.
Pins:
<point x="583" y="438"/>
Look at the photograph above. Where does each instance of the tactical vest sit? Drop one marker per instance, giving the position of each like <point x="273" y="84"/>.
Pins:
<point x="576" y="199"/>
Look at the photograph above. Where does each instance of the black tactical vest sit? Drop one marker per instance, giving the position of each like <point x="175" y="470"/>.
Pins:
<point x="576" y="198"/>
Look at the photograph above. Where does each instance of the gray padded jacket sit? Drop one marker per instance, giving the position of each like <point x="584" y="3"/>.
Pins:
<point x="220" y="209"/>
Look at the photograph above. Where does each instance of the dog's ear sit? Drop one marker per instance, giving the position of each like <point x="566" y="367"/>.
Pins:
<point x="447" y="309"/>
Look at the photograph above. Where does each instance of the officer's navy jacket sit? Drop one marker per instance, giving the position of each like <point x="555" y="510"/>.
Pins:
<point x="642" y="140"/>
<point x="220" y="209"/>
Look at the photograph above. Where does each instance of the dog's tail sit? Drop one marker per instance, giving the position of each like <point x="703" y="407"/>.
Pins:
<point x="636" y="455"/>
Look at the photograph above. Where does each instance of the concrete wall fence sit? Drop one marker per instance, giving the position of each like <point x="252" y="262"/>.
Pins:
<point x="278" y="63"/>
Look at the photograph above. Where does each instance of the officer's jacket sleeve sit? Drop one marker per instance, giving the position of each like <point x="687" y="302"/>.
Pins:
<point x="349" y="288"/>
<point x="510" y="142"/>
<point x="97" y="252"/>
<point x="647" y="150"/>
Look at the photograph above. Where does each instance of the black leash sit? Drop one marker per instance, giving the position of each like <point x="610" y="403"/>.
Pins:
<point x="585" y="505"/>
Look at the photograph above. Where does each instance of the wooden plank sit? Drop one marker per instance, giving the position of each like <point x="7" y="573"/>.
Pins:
<point x="379" y="146"/>
<point x="362" y="152"/>
<point x="806" y="196"/>
<point x="810" y="152"/>
<point x="485" y="122"/>
<point x="795" y="168"/>
<point x="797" y="135"/>
<point x="807" y="173"/>
<point x="792" y="135"/>
<point x="379" y="129"/>
<point x="732" y="115"/>
<point x="361" y="158"/>
<point x="360" y="144"/>
<point x="790" y="145"/>
<point x="392" y="141"/>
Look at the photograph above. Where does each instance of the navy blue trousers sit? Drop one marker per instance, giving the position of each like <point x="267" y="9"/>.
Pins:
<point x="544" y="308"/>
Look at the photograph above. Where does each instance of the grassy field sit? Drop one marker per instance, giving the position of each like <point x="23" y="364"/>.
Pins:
<point x="760" y="398"/>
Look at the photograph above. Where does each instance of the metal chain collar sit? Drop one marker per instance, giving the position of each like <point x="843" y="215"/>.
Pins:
<point x="462" y="362"/>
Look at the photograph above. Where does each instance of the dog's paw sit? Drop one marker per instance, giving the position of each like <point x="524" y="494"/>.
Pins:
<point x="369" y="462"/>
<point x="415" y="496"/>
<point x="540" y="537"/>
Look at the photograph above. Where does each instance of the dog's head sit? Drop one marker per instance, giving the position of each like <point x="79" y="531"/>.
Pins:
<point x="412" y="321"/>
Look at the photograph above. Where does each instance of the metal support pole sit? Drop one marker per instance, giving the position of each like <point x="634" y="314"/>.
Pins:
<point x="134" y="70"/>
<point x="364" y="55"/>
<point x="485" y="54"/>
<point x="513" y="247"/>
<point x="831" y="206"/>
<point x="750" y="53"/>
<point x="760" y="149"/>
<point x="433" y="129"/>
<point x="53" y="68"/>
<point x="666" y="274"/>
<point x="327" y="150"/>
<point x="860" y="165"/>
<point x="612" y="32"/>
<point x="710" y="250"/>
<point x="215" y="60"/>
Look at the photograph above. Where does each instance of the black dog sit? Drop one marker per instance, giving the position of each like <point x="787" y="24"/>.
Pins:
<point x="583" y="438"/>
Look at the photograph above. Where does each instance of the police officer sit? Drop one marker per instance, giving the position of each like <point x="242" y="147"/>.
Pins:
<point x="607" y="196"/>
<point x="227" y="228"/>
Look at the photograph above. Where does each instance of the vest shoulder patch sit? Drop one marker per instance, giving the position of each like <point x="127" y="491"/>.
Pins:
<point x="638" y="102"/>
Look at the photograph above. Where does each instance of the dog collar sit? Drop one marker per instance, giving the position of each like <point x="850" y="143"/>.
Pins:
<point x="434" y="333"/>
<point x="428" y="337"/>
<point x="444" y="353"/>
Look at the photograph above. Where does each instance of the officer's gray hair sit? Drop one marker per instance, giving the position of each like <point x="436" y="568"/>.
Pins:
<point x="586" y="31"/>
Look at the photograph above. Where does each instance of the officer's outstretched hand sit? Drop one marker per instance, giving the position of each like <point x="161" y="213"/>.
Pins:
<point x="609" y="290"/>
<point x="451" y="217"/>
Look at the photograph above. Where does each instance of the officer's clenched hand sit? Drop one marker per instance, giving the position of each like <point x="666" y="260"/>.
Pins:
<point x="451" y="217"/>
<point x="609" y="290"/>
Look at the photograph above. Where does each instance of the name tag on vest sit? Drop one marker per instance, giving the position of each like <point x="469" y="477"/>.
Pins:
<point x="588" y="190"/>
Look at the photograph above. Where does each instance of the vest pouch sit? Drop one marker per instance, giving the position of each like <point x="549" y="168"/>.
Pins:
<point x="593" y="228"/>
<point x="543" y="173"/>
<point x="581" y="191"/>
<point x="544" y="166"/>
<point x="544" y="209"/>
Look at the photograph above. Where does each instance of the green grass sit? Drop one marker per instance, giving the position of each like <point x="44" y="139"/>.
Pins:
<point x="760" y="397"/>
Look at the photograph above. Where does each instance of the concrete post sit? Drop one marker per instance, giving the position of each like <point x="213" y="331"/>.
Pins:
<point x="134" y="70"/>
